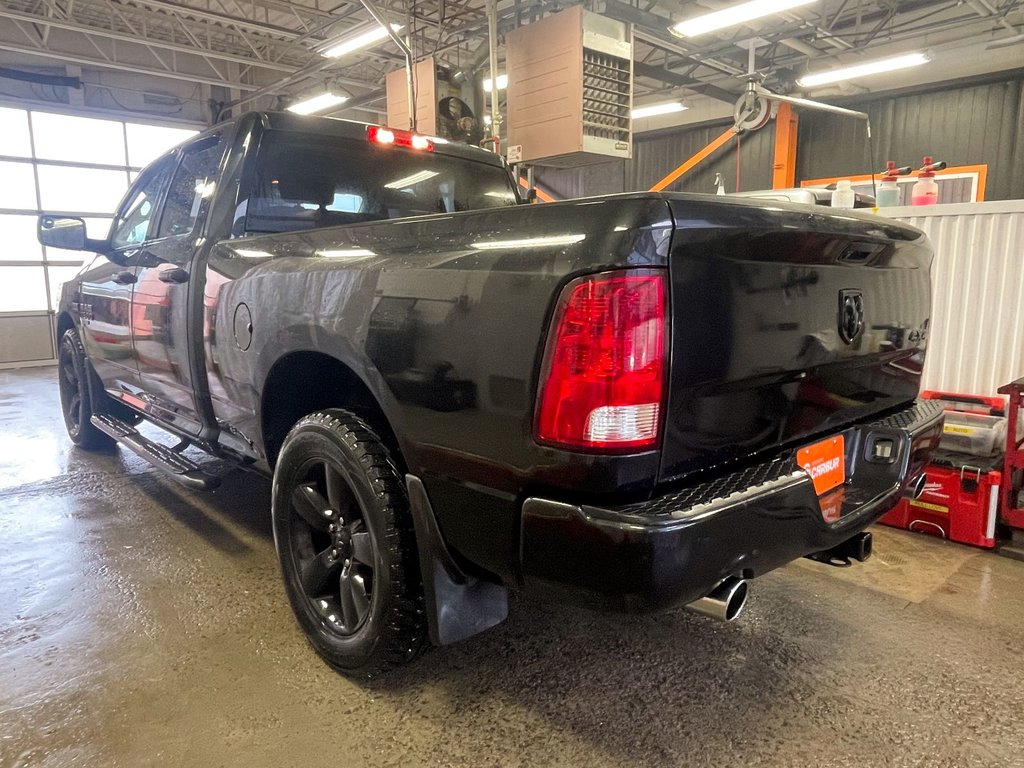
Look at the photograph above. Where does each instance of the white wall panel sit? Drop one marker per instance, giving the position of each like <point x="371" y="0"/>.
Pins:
<point x="977" y="334"/>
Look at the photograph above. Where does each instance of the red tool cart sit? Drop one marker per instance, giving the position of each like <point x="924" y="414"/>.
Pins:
<point x="961" y="498"/>
<point x="1013" y="467"/>
<point x="960" y="501"/>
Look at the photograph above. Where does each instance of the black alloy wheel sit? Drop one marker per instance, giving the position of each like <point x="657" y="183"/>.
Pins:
<point x="75" y="397"/>
<point x="331" y="546"/>
<point x="346" y="545"/>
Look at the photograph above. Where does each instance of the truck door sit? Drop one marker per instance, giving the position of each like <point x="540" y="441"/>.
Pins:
<point x="106" y="288"/>
<point x="168" y="296"/>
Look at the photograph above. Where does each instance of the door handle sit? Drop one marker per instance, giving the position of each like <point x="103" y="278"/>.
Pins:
<point x="125" y="277"/>
<point x="176" y="275"/>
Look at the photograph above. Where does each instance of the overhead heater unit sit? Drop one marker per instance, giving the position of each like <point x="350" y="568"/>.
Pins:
<point x="570" y="89"/>
<point x="425" y="86"/>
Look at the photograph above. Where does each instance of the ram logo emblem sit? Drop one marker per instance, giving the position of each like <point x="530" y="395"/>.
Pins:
<point x="851" y="315"/>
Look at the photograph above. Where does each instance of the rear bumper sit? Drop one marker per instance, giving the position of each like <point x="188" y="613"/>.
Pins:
<point x="677" y="547"/>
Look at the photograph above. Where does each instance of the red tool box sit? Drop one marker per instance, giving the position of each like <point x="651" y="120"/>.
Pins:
<point x="960" y="501"/>
<point x="961" y="498"/>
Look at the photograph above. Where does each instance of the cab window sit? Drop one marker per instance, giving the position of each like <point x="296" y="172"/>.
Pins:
<point x="304" y="181"/>
<point x="193" y="182"/>
<point x="132" y="224"/>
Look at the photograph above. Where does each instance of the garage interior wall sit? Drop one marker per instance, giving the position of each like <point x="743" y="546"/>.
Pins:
<point x="968" y="125"/>
<point x="657" y="153"/>
<point x="976" y="343"/>
<point x="65" y="164"/>
<point x="974" y="124"/>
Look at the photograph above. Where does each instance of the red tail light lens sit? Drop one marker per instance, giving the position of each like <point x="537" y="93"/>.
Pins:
<point x="393" y="137"/>
<point x="603" y="378"/>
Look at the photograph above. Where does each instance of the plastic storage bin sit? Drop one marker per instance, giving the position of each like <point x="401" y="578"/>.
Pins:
<point x="960" y="501"/>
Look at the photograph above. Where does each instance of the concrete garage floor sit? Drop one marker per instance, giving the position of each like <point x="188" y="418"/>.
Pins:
<point x="142" y="624"/>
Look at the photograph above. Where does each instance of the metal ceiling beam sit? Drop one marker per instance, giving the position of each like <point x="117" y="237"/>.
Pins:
<point x="294" y="8"/>
<point x="167" y="25"/>
<point x="68" y="58"/>
<point x="188" y="11"/>
<point x="148" y="41"/>
<point x="675" y="78"/>
<point x="653" y="30"/>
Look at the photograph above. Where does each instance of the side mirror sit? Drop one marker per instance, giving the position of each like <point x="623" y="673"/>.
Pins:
<point x="531" y="195"/>
<point x="68" y="232"/>
<point x="63" y="232"/>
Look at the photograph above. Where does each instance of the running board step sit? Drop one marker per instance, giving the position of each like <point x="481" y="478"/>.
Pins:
<point x="184" y="470"/>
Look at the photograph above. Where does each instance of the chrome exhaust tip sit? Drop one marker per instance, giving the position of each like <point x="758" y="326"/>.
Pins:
<point x="725" y="602"/>
<point x="918" y="485"/>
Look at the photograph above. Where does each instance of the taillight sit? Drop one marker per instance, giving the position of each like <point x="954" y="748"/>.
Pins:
<point x="392" y="136"/>
<point x="603" y="378"/>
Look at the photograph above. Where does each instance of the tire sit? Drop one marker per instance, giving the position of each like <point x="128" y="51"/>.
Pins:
<point x="345" y="542"/>
<point x="75" y="394"/>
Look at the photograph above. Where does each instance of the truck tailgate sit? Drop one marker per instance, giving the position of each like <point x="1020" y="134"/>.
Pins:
<point x="787" y="323"/>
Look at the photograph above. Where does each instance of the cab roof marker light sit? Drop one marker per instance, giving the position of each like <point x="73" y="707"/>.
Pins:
<point x="866" y="69"/>
<point x="378" y="134"/>
<point x="733" y="16"/>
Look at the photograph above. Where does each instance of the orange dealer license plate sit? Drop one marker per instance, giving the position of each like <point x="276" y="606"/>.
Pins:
<point x="825" y="462"/>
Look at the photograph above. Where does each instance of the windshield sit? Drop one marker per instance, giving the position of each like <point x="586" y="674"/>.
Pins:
<point x="304" y="181"/>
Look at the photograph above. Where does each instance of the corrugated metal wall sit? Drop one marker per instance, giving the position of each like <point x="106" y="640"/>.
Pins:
<point x="977" y="335"/>
<point x="602" y="179"/>
<point x="657" y="155"/>
<point x="963" y="126"/>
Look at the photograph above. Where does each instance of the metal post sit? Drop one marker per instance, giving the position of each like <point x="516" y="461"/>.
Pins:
<point x="492" y="35"/>
<point x="404" y="47"/>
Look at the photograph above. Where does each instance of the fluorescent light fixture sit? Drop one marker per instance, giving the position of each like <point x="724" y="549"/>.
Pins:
<point x="863" y="70"/>
<point x="356" y="41"/>
<point x="502" y="83"/>
<point x="657" y="109"/>
<point x="408" y="181"/>
<point x="733" y="15"/>
<point x="317" y="103"/>
<point x="345" y="253"/>
<point x="529" y="242"/>
<point x="252" y="253"/>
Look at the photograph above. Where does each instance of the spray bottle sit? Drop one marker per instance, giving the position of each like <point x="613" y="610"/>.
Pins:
<point x="888" y="191"/>
<point x="926" y="190"/>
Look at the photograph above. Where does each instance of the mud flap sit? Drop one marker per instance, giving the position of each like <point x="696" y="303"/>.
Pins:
<point x="457" y="605"/>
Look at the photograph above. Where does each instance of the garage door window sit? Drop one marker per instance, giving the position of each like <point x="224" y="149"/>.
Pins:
<point x="78" y="139"/>
<point x="81" y="166"/>
<point x="14" y="129"/>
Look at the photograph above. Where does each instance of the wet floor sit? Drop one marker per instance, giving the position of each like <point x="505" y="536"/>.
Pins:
<point x="143" y="624"/>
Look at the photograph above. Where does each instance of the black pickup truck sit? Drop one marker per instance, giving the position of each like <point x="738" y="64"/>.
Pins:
<point x="634" y="401"/>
